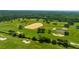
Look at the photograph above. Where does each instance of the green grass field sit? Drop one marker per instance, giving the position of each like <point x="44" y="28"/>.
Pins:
<point x="16" y="43"/>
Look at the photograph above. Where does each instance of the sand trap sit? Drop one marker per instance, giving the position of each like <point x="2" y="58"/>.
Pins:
<point x="1" y="38"/>
<point x="54" y="29"/>
<point x="34" y="26"/>
<point x="59" y="35"/>
<point x="65" y="28"/>
<point x="26" y="41"/>
<point x="74" y="43"/>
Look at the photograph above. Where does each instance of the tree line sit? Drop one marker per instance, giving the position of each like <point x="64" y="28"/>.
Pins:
<point x="47" y="17"/>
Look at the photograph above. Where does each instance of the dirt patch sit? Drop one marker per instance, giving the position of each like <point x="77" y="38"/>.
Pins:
<point x="34" y="26"/>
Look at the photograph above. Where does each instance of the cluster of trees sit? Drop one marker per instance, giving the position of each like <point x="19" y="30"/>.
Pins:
<point x="64" y="43"/>
<point x="70" y="23"/>
<point x="44" y="40"/>
<point x="41" y="30"/>
<point x="13" y="33"/>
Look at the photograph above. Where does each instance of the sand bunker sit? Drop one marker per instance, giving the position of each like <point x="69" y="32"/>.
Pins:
<point x="54" y="29"/>
<point x="65" y="28"/>
<point x="1" y="38"/>
<point x="34" y="26"/>
<point x="74" y="44"/>
<point x="59" y="35"/>
<point x="26" y="41"/>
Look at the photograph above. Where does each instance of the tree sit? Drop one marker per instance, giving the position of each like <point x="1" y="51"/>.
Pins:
<point x="54" y="42"/>
<point x="37" y="18"/>
<point x="34" y="39"/>
<point x="20" y="27"/>
<point x="14" y="34"/>
<point x="49" y="31"/>
<point x="44" y="40"/>
<point x="40" y="30"/>
<point x="55" y="23"/>
<point x="66" y="25"/>
<point x="47" y="40"/>
<point x="77" y="27"/>
<point x="11" y="31"/>
<point x="66" y="44"/>
<point x="71" y="23"/>
<point x="47" y="22"/>
<point x="21" y="35"/>
<point x="59" y="41"/>
<point x="66" y="33"/>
